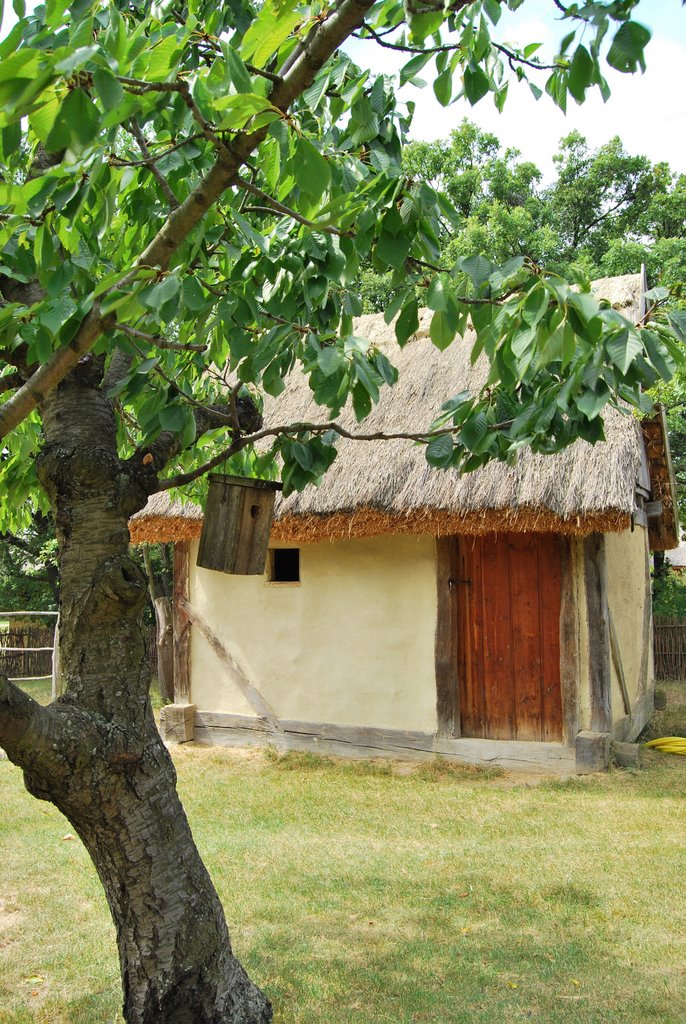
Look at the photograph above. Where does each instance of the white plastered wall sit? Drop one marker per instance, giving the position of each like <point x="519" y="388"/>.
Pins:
<point x="351" y="644"/>
<point x="626" y="560"/>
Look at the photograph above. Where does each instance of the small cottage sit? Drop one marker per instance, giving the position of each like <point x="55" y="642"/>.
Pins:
<point x="502" y="617"/>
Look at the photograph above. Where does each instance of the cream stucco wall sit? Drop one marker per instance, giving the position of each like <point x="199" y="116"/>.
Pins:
<point x="626" y="559"/>
<point x="351" y="644"/>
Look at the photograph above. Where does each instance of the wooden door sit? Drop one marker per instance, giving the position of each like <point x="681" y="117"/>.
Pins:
<point x="508" y="636"/>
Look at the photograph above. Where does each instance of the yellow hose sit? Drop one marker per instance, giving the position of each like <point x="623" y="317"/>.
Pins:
<point x="669" y="744"/>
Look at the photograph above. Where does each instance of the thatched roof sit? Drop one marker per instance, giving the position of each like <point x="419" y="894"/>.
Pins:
<point x="164" y="520"/>
<point x="381" y="487"/>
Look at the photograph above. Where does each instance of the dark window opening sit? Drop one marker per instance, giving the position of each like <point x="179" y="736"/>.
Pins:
<point x="284" y="565"/>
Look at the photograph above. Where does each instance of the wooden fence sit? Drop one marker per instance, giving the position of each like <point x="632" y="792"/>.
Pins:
<point x="669" y="647"/>
<point x="26" y="649"/>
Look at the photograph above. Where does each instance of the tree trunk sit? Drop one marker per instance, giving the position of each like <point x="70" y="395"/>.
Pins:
<point x="96" y="753"/>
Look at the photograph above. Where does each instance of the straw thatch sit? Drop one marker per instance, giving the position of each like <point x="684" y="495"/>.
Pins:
<point x="382" y="487"/>
<point x="163" y="520"/>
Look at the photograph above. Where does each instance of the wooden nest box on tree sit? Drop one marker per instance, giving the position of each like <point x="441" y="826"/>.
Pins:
<point x="238" y="518"/>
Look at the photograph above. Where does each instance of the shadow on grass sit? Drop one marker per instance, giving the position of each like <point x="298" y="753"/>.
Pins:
<point x="449" y="966"/>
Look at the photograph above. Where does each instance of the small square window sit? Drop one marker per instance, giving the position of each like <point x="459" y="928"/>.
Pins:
<point x="284" y="565"/>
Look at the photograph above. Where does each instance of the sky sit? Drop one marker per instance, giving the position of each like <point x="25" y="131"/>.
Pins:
<point x="647" y="111"/>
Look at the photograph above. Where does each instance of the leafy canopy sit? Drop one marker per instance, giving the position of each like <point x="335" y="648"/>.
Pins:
<point x="189" y="193"/>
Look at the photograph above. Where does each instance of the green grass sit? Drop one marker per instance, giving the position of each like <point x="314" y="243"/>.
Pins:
<point x="371" y="893"/>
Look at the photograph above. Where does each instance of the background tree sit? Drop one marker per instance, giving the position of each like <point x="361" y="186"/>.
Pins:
<point x="190" y="188"/>
<point x="29" y="576"/>
<point x="606" y="213"/>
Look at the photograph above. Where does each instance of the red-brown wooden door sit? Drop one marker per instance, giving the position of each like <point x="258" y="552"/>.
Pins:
<point x="508" y="613"/>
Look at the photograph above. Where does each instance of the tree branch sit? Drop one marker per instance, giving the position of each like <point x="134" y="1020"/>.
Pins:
<point x="157" y="341"/>
<point x="149" y="162"/>
<point x="421" y="437"/>
<point x="27" y="730"/>
<point x="511" y="55"/>
<point x="247" y="186"/>
<point x="120" y="161"/>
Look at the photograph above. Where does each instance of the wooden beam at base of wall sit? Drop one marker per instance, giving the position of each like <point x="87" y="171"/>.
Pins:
<point x="362" y="741"/>
<point x="631" y="726"/>
<point x="592" y="752"/>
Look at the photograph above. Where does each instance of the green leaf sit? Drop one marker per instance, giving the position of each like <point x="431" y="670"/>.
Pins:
<point x="592" y="403"/>
<point x="441" y="293"/>
<point x="331" y="360"/>
<point x="159" y="295"/>
<point x="626" y="52"/>
<point x="624" y="348"/>
<point x="364" y="122"/>
<point x="76" y="123"/>
<point x="407" y="323"/>
<point x="439" y="451"/>
<point x="413" y="67"/>
<point x="477" y="268"/>
<point x="393" y="249"/>
<point x="11" y="140"/>
<point x="269" y="30"/>
<point x="474" y="431"/>
<point x="362" y="403"/>
<point x="442" y="330"/>
<point x="75" y="60"/>
<point x="237" y="69"/>
<point x="312" y="171"/>
<point x="535" y="305"/>
<point x="173" y="417"/>
<point x="443" y="87"/>
<point x="580" y="73"/>
<point x="476" y="83"/>
<point x="108" y="88"/>
<point x="193" y="295"/>
<point x="238" y="110"/>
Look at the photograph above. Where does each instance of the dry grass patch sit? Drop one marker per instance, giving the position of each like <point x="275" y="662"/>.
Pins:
<point x="364" y="893"/>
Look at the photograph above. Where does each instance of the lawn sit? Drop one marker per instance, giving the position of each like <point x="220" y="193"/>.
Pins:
<point x="367" y="893"/>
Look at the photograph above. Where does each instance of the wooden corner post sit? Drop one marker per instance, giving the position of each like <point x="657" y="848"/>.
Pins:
<point x="593" y="746"/>
<point x="447" y="712"/>
<point x="177" y="719"/>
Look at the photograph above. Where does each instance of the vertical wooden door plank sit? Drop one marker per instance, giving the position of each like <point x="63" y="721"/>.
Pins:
<point x="526" y="638"/>
<point x="497" y="634"/>
<point x="550" y="597"/>
<point x="470" y="644"/>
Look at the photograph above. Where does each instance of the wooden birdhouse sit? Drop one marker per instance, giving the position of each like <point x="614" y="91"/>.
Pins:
<point x="238" y="518"/>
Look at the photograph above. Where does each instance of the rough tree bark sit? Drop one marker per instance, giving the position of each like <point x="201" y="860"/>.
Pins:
<point x="96" y="753"/>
